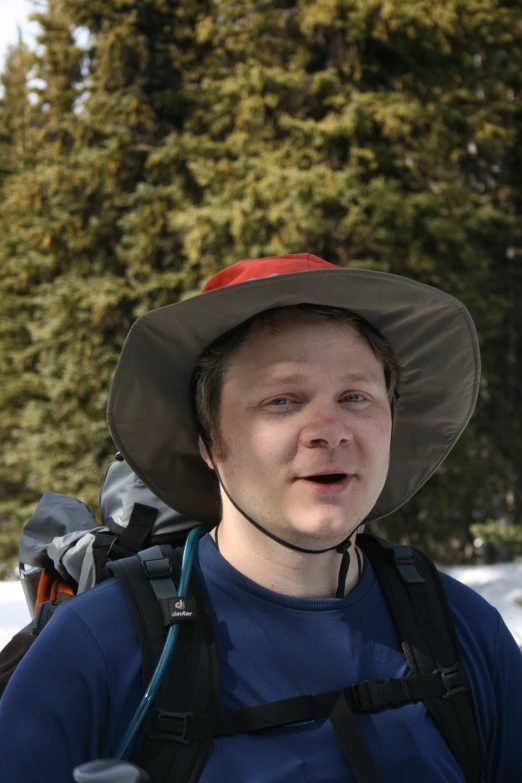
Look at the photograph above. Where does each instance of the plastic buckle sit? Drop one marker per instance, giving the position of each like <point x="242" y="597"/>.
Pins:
<point x="453" y="680"/>
<point x="403" y="555"/>
<point x="175" y="733"/>
<point x="405" y="563"/>
<point x="372" y="695"/>
<point x="157" y="569"/>
<point x="43" y="615"/>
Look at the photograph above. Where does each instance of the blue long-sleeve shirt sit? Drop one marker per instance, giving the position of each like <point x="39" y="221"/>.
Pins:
<point x="77" y="688"/>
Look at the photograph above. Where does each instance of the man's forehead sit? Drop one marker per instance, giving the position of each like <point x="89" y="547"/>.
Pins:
<point x="357" y="376"/>
<point x="270" y="370"/>
<point x="289" y="336"/>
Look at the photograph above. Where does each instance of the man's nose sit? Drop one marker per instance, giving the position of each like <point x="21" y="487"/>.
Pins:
<point x="327" y="427"/>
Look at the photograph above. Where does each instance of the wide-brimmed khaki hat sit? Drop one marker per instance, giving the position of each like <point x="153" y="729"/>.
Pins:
<point x="432" y="334"/>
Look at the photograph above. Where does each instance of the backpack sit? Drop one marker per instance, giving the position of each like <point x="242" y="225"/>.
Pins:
<point x="183" y="717"/>
<point x="63" y="551"/>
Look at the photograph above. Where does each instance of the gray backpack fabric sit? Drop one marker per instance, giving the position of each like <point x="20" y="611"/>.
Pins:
<point x="63" y="534"/>
<point x="59" y="535"/>
<point x="122" y="489"/>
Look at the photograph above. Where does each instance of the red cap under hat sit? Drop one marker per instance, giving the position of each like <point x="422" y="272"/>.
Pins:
<point x="244" y="271"/>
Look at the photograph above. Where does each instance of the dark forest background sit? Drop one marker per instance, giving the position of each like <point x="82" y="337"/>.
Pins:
<point x="144" y="144"/>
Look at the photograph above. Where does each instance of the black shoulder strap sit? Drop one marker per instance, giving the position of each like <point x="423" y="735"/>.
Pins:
<point x="109" y="546"/>
<point x="419" y="607"/>
<point x="191" y="681"/>
<point x="177" y="731"/>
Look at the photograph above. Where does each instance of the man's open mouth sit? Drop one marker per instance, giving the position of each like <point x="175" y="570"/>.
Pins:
<point x="327" y="478"/>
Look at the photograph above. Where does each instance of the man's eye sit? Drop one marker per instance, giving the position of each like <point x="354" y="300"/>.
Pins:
<point x="355" y="397"/>
<point x="278" y="401"/>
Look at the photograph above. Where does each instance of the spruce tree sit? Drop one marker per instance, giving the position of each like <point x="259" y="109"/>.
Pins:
<point x="17" y="388"/>
<point x="98" y="117"/>
<point x="189" y="135"/>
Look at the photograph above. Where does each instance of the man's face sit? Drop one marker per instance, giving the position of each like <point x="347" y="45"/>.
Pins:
<point x="306" y="427"/>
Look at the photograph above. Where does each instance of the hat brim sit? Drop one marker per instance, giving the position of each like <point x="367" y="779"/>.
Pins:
<point x="432" y="334"/>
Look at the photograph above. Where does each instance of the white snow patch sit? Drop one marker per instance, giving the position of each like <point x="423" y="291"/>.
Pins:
<point x="501" y="585"/>
<point x="14" y="614"/>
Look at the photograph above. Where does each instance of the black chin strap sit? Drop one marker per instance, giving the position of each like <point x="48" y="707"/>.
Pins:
<point x="342" y="548"/>
<point x="343" y="573"/>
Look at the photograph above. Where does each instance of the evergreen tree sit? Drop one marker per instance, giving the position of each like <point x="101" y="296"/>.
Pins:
<point x="98" y="116"/>
<point x="17" y="151"/>
<point x="191" y="134"/>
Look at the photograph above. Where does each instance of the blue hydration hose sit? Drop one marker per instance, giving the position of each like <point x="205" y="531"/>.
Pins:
<point x="187" y="563"/>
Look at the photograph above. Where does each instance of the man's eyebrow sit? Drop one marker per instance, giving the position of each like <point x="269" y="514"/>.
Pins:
<point x="351" y="377"/>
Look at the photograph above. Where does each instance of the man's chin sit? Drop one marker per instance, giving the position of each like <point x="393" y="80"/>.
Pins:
<point x="321" y="533"/>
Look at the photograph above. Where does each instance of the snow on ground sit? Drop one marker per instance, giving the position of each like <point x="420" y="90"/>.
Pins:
<point x="14" y="613"/>
<point x="500" y="584"/>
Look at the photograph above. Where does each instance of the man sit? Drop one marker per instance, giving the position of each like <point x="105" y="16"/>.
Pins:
<point x="323" y="398"/>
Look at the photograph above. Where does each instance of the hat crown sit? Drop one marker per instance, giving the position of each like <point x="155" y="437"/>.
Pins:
<point x="256" y="268"/>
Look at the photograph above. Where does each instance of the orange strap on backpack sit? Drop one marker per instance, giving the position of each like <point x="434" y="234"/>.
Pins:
<point x="50" y="586"/>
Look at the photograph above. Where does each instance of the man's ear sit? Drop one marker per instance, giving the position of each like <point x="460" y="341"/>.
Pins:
<point x="203" y="450"/>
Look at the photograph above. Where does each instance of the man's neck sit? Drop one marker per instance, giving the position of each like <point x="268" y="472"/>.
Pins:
<point x="279" y="569"/>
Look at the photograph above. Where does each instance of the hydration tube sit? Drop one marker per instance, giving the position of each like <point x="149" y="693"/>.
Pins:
<point x="187" y="563"/>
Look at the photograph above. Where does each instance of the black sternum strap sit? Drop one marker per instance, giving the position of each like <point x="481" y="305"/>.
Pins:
<point x="365" y="696"/>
